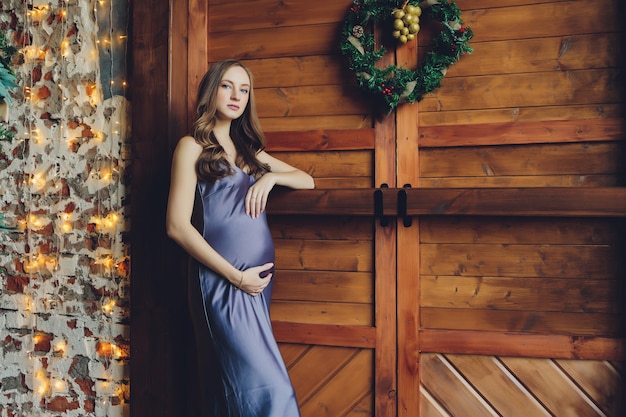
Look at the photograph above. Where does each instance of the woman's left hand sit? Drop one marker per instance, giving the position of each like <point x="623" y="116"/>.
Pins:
<point x="256" y="198"/>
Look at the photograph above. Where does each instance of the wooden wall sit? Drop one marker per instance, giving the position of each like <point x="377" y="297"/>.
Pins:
<point x="462" y="315"/>
<point x="538" y="104"/>
<point x="314" y="120"/>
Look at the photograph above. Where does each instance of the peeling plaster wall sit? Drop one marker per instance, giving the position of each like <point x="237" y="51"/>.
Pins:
<point x="64" y="252"/>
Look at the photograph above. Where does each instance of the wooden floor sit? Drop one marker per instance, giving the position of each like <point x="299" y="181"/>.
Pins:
<point x="469" y="386"/>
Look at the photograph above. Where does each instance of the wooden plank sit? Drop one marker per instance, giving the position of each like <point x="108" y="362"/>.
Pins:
<point x="519" y="201"/>
<point x="386" y="252"/>
<point x="325" y="334"/>
<point x="323" y="164"/>
<point x="527" y="160"/>
<point x="544" y="54"/>
<point x="442" y="382"/>
<point x="408" y="262"/>
<point x="179" y="97"/>
<point x="363" y="408"/>
<point x="561" y="202"/>
<point x="316" y="367"/>
<point x="599" y="380"/>
<point x="330" y="122"/>
<point x="347" y="314"/>
<point x="318" y="140"/>
<point x="516" y="230"/>
<point x="292" y="352"/>
<point x="233" y="17"/>
<point x="517" y="181"/>
<point x="496" y="293"/>
<point x="197" y="50"/>
<point x="321" y="227"/>
<point x="544" y="323"/>
<point x="320" y="39"/>
<point x="153" y="322"/>
<point x="429" y="407"/>
<point x="485" y="4"/>
<point x="344" y="390"/>
<point x="334" y="255"/>
<point x="523" y="345"/>
<point x="296" y="71"/>
<point x="551" y="387"/>
<point x="522" y="261"/>
<point x="331" y="286"/>
<point x="511" y="114"/>
<point x="538" y="20"/>
<point x="310" y="101"/>
<point x="557" y="88"/>
<point x="555" y="131"/>
<point x="353" y="202"/>
<point x="499" y="388"/>
<point x="343" y="182"/>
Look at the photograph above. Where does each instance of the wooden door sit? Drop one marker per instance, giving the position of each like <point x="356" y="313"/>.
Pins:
<point x="333" y="307"/>
<point x="361" y="311"/>
<point x="517" y="288"/>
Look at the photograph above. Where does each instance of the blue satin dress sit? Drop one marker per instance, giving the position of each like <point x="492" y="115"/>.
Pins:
<point x="248" y="374"/>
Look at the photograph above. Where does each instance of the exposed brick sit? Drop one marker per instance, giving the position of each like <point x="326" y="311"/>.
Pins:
<point x="43" y="92"/>
<point x="62" y="404"/>
<point x="89" y="406"/>
<point x="86" y="385"/>
<point x="43" y="342"/>
<point x="36" y="74"/>
<point x="16" y="283"/>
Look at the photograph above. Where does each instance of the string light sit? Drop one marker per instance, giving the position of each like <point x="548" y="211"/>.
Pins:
<point x="109" y="306"/>
<point x="59" y="385"/>
<point x="48" y="227"/>
<point x="60" y="347"/>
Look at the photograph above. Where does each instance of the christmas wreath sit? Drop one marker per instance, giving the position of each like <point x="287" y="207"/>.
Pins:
<point x="394" y="85"/>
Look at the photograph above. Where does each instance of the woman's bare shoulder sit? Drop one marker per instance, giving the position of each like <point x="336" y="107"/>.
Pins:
<point x="188" y="141"/>
<point x="187" y="145"/>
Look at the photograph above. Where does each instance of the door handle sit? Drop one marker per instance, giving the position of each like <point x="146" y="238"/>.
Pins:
<point x="403" y="207"/>
<point x="379" y="206"/>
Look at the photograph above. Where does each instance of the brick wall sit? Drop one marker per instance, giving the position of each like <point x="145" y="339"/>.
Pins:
<point x="64" y="252"/>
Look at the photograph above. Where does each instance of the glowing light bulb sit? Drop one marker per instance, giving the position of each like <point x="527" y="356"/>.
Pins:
<point x="59" y="385"/>
<point x="60" y="347"/>
<point x="108" y="307"/>
<point x="117" y="352"/>
<point x="106" y="175"/>
<point x="34" y="221"/>
<point x="108" y="262"/>
<point x="43" y="387"/>
<point x="38" y="180"/>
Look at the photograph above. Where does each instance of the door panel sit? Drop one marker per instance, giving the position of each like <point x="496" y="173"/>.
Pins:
<point x="337" y="341"/>
<point x="405" y="281"/>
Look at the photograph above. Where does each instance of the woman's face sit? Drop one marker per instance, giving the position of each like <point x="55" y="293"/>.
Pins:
<point x="233" y="93"/>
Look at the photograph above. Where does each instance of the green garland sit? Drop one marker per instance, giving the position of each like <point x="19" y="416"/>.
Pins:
<point x="7" y="83"/>
<point x="7" y="76"/>
<point x="394" y="85"/>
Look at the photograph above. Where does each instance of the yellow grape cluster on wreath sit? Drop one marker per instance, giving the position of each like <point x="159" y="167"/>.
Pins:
<point x="394" y="85"/>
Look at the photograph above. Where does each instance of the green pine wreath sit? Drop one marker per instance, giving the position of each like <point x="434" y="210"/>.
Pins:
<point x="394" y="85"/>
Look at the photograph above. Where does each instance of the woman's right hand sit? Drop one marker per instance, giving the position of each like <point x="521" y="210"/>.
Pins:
<point x="255" y="279"/>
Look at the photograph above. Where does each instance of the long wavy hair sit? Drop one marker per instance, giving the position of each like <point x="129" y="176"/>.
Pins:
<point x="245" y="131"/>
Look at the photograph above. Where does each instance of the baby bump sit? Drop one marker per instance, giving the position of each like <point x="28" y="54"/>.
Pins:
<point x="244" y="244"/>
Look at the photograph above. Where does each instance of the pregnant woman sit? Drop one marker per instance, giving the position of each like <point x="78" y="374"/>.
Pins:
<point x="222" y="177"/>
